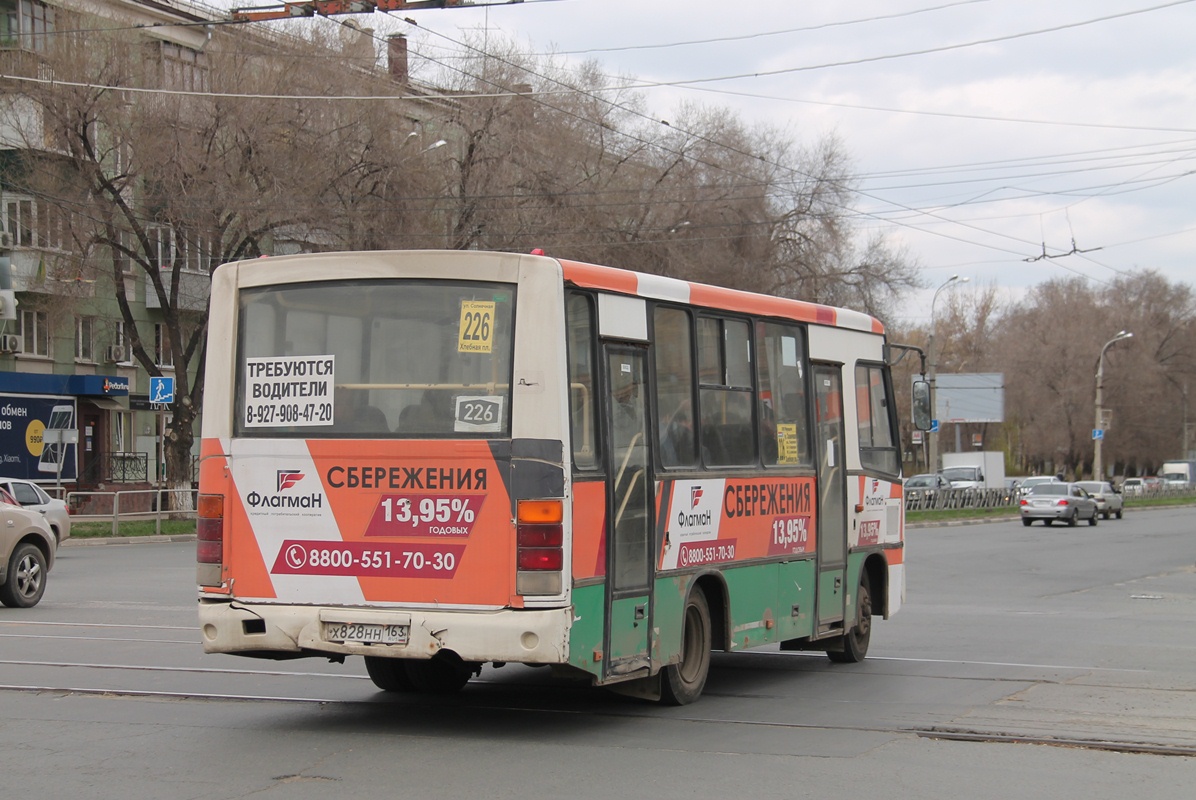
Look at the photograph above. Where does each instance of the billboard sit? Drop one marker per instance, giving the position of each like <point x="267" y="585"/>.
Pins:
<point x="24" y="453"/>
<point x="970" y="397"/>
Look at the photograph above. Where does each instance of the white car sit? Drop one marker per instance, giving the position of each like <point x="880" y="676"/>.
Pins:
<point x="27" y="552"/>
<point x="34" y="498"/>
<point x="1108" y="500"/>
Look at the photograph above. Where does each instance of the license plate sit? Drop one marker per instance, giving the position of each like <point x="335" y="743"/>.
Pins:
<point x="365" y="632"/>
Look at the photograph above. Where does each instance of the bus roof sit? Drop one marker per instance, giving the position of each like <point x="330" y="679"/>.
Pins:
<point x="658" y="287"/>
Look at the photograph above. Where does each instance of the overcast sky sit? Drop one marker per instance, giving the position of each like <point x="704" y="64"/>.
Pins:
<point x="984" y="132"/>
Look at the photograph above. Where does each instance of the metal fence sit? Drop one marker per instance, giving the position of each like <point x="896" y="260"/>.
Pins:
<point x="134" y="505"/>
<point x="942" y="499"/>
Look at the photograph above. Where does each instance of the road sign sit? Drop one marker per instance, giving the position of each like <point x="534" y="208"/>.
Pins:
<point x="1097" y="433"/>
<point x="934" y="426"/>
<point x="161" y="390"/>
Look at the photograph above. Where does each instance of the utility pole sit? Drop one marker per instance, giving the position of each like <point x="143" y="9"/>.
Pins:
<point x="932" y="435"/>
<point x="1098" y="430"/>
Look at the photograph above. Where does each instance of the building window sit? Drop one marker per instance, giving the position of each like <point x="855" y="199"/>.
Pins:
<point x="33" y="224"/>
<point x="26" y="24"/>
<point x="84" y="327"/>
<point x="184" y="69"/>
<point x="35" y="333"/>
<point x="194" y="254"/>
<point x="163" y="356"/>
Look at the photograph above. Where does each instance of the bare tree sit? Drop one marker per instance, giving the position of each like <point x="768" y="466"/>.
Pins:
<point x="167" y="185"/>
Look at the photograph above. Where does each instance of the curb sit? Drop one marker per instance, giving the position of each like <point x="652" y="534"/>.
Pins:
<point x="95" y="541"/>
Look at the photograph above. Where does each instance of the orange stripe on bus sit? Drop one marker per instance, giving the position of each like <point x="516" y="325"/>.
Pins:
<point x="593" y="276"/>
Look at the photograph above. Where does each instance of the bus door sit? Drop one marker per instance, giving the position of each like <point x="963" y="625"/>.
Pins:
<point x="629" y="511"/>
<point x="832" y="496"/>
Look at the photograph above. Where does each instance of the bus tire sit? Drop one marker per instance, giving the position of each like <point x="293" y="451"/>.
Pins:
<point x="682" y="683"/>
<point x="389" y="674"/>
<point x="854" y="643"/>
<point x="26" y="581"/>
<point x="444" y="673"/>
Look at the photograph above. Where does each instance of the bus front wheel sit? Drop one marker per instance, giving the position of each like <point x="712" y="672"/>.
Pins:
<point x="682" y="683"/>
<point x="854" y="644"/>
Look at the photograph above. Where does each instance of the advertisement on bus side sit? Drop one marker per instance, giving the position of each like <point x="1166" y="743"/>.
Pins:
<point x="723" y="520"/>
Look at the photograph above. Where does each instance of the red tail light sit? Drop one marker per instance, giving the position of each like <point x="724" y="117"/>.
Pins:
<point x="1025" y="502"/>
<point x="1062" y="502"/>
<point x="209" y="530"/>
<point x="540" y="547"/>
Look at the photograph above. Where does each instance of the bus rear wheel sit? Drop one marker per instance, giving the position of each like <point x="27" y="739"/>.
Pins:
<point x="854" y="644"/>
<point x="682" y="683"/>
<point x="444" y="673"/>
<point x="389" y="674"/>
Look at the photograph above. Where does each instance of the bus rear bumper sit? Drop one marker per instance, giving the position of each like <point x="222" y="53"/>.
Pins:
<point x="539" y="636"/>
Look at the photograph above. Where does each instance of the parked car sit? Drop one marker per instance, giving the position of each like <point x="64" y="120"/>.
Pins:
<point x="1067" y="502"/>
<point x="27" y="549"/>
<point x="1108" y="500"/>
<point x="1027" y="484"/>
<point x="1133" y="487"/>
<point x="34" y="498"/>
<point x="1152" y="483"/>
<point x="925" y="486"/>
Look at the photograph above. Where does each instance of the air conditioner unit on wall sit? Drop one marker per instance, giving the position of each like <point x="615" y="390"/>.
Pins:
<point x="5" y="240"/>
<point x="10" y="343"/>
<point x="114" y="353"/>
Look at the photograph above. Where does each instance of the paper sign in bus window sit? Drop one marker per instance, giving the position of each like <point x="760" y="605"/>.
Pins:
<point x="476" y="333"/>
<point x="289" y="390"/>
<point x="787" y="443"/>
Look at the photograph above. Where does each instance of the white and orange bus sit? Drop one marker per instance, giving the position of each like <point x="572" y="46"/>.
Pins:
<point x="440" y="459"/>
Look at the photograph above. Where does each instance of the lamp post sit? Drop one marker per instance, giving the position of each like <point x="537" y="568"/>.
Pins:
<point x="1098" y="430"/>
<point x="932" y="436"/>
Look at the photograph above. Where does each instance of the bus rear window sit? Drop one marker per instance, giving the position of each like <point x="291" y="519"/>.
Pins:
<point x="374" y="359"/>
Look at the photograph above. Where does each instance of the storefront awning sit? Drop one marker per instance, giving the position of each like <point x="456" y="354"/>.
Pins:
<point x="109" y="403"/>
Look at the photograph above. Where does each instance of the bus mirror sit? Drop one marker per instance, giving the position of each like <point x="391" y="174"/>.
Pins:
<point x="921" y="405"/>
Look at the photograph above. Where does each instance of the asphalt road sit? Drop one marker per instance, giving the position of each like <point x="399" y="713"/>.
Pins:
<point x="1027" y="662"/>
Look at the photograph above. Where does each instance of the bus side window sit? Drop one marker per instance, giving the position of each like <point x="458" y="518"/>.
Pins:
<point x="875" y="420"/>
<point x="781" y="377"/>
<point x="725" y="364"/>
<point x="672" y="338"/>
<point x="579" y="338"/>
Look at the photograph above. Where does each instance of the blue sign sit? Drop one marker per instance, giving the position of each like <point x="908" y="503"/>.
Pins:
<point x="934" y="426"/>
<point x="1097" y="433"/>
<point x="24" y="452"/>
<point x="161" y="390"/>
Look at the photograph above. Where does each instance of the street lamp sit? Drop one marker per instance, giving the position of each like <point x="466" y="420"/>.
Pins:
<point x="933" y="436"/>
<point x="1098" y="430"/>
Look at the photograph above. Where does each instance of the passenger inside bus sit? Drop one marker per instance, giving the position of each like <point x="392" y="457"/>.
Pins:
<point x="430" y="415"/>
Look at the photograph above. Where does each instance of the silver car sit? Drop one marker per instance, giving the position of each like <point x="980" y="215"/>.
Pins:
<point x="1108" y="500"/>
<point x="27" y="549"/>
<point x="925" y="486"/>
<point x="1026" y="484"/>
<point x="1067" y="502"/>
<point x="34" y="498"/>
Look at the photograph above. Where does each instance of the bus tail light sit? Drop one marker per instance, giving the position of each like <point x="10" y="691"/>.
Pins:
<point x="539" y="547"/>
<point x="209" y="546"/>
